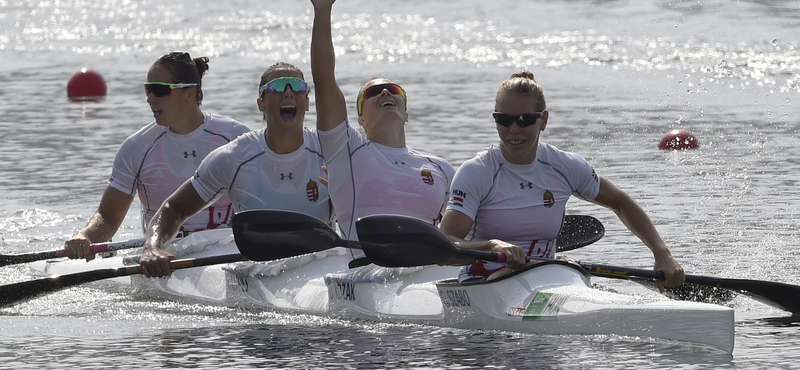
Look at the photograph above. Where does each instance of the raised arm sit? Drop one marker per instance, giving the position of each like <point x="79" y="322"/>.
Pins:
<point x="331" y="106"/>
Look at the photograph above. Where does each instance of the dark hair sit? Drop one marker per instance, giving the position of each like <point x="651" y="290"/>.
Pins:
<point x="523" y="83"/>
<point x="280" y="66"/>
<point x="185" y="69"/>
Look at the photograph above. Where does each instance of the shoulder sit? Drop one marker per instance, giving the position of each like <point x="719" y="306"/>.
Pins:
<point x="219" y="123"/>
<point x="311" y="138"/>
<point x="431" y="157"/>
<point x="145" y="135"/>
<point x="309" y="132"/>
<point x="243" y="147"/>
<point x="247" y="140"/>
<point x="553" y="155"/>
<point x="488" y="158"/>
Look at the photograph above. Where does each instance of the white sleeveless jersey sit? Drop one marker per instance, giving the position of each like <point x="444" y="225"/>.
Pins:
<point x="367" y="178"/>
<point x="521" y="204"/>
<point x="255" y="177"/>
<point x="155" y="161"/>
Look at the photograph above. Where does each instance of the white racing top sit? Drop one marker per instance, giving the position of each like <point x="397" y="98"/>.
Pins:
<point x="521" y="204"/>
<point x="255" y="177"/>
<point x="367" y="178"/>
<point x="154" y="162"/>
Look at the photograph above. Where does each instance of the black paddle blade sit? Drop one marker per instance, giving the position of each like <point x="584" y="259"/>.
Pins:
<point x="265" y="235"/>
<point x="779" y="295"/>
<point x="579" y="231"/>
<point x="24" y="291"/>
<point x="402" y="241"/>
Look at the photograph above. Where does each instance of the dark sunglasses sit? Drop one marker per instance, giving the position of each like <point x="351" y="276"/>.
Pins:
<point x="160" y="89"/>
<point x="522" y="120"/>
<point x="376" y="90"/>
<point x="278" y="86"/>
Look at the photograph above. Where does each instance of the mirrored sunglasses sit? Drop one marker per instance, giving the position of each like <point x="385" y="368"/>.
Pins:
<point x="278" y="86"/>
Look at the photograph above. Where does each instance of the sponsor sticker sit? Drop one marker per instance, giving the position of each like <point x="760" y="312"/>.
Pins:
<point x="544" y="305"/>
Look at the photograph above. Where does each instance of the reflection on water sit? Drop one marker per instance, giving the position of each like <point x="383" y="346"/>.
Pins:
<point x="331" y="345"/>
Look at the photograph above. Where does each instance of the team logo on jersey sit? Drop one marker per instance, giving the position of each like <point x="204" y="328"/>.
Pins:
<point x="427" y="177"/>
<point x="549" y="200"/>
<point x="458" y="197"/>
<point x="312" y="191"/>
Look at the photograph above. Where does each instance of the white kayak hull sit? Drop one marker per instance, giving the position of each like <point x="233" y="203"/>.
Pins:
<point x="290" y="284"/>
<point x="377" y="293"/>
<point x="557" y="298"/>
<point x="549" y="299"/>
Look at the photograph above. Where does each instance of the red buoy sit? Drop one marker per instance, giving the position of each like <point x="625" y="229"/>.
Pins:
<point x="678" y="139"/>
<point x="86" y="85"/>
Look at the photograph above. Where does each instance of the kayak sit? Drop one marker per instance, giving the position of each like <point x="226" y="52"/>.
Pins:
<point x="549" y="298"/>
<point x="553" y="297"/>
<point x="556" y="297"/>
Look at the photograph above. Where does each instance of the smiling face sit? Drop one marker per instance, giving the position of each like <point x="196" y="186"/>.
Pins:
<point x="285" y="107"/>
<point x="381" y="105"/>
<point x="170" y="109"/>
<point x="519" y="144"/>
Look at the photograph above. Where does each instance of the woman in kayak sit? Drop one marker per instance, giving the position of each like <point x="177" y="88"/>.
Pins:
<point x="377" y="173"/>
<point x="157" y="159"/>
<point x="277" y="167"/>
<point x="512" y="196"/>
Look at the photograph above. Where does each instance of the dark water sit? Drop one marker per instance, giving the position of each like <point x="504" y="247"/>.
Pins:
<point x="618" y="74"/>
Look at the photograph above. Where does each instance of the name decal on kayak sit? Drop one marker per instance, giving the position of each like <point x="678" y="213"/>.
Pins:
<point x="454" y="298"/>
<point x="342" y="292"/>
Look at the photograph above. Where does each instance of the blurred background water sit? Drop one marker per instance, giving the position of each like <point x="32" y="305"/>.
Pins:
<point x="617" y="74"/>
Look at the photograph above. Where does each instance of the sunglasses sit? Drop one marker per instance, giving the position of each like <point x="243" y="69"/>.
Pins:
<point x="278" y="86"/>
<point x="376" y="90"/>
<point x="522" y="120"/>
<point x="160" y="89"/>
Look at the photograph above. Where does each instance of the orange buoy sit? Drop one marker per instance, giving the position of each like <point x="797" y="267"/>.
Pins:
<point x="678" y="139"/>
<point x="86" y="85"/>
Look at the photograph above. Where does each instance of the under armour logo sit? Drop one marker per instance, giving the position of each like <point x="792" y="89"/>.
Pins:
<point x="285" y="176"/>
<point x="187" y="154"/>
<point x="522" y="185"/>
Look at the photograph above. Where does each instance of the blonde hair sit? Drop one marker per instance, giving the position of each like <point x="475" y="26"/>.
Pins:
<point x="524" y="83"/>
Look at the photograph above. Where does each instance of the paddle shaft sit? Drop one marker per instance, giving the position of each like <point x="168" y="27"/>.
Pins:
<point x="23" y="291"/>
<point x="780" y="295"/>
<point x="12" y="259"/>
